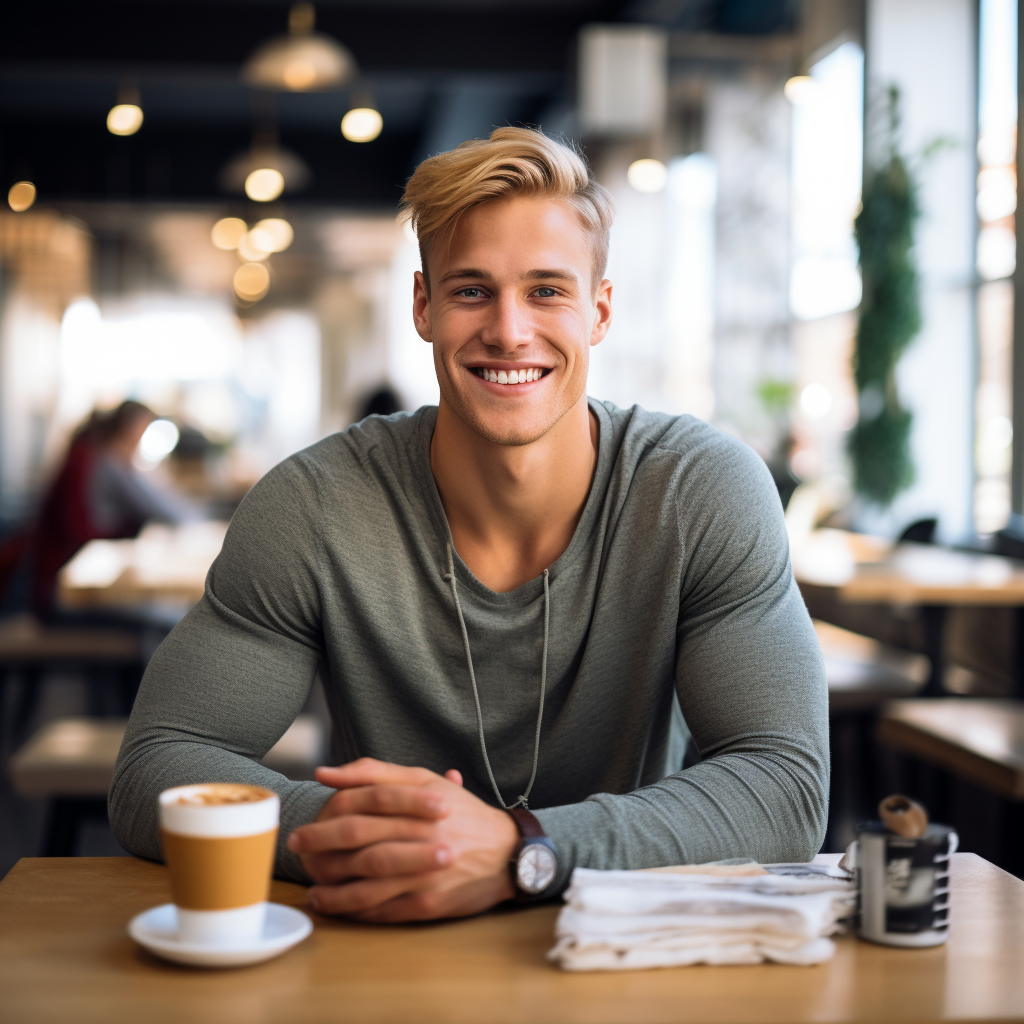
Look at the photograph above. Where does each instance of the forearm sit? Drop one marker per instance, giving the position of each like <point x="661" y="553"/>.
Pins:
<point x="218" y="694"/>
<point x="155" y="761"/>
<point x="768" y="807"/>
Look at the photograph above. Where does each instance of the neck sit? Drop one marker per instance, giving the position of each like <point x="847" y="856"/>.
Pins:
<point x="515" y="512"/>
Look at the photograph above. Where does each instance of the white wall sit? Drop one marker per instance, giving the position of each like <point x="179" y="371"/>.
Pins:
<point x="928" y="48"/>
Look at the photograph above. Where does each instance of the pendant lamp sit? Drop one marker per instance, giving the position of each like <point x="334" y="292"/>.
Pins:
<point x="302" y="60"/>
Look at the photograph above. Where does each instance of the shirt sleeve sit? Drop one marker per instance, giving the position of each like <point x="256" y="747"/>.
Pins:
<point x="233" y="674"/>
<point x="751" y="685"/>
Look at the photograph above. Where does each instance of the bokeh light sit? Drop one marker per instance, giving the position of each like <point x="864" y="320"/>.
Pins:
<point x="362" y="124"/>
<point x="273" y="230"/>
<point x="264" y="184"/>
<point x="124" y="119"/>
<point x="251" y="281"/>
<point x="158" y="441"/>
<point x="799" y="89"/>
<point x="227" y="233"/>
<point x="251" y="248"/>
<point x="647" y="175"/>
<point x="815" y="401"/>
<point x="21" y="196"/>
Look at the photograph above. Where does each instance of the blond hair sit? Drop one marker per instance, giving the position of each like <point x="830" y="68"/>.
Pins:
<point x="512" y="162"/>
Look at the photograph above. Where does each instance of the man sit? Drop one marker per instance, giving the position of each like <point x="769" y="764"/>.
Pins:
<point x="509" y="598"/>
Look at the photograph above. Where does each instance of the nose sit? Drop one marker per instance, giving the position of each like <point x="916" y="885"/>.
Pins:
<point x="509" y="325"/>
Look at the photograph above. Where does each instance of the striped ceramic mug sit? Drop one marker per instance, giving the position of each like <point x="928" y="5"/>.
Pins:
<point x="903" y="884"/>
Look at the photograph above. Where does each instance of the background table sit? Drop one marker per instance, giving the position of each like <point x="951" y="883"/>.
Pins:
<point x="974" y="738"/>
<point x="65" y="956"/>
<point x="864" y="570"/>
<point x="164" y="565"/>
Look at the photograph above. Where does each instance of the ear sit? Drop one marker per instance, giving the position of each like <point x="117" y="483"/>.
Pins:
<point x="421" y="307"/>
<point x="603" y="309"/>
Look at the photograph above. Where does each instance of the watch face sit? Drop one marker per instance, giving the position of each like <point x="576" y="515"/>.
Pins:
<point x="535" y="868"/>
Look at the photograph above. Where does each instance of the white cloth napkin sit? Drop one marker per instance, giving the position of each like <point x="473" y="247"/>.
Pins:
<point x="622" y="920"/>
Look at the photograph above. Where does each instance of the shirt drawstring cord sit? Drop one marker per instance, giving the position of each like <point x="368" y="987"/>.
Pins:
<point x="521" y="801"/>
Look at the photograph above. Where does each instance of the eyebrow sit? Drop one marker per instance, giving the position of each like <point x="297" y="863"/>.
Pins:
<point x="471" y="273"/>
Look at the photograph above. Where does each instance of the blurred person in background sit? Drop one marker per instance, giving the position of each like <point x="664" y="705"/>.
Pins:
<point x="97" y="493"/>
<point x="382" y="402"/>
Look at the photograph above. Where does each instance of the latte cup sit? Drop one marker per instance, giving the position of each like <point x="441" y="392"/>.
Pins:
<point x="218" y="841"/>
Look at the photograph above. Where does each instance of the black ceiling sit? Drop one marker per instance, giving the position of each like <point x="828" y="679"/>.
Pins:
<point x="439" y="71"/>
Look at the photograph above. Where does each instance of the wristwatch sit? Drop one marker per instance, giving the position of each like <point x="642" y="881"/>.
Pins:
<point x="534" y="862"/>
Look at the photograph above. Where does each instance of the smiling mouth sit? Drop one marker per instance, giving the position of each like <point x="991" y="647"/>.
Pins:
<point x="496" y="376"/>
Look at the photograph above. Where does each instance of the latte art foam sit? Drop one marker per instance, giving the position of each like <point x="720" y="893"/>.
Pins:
<point x="218" y="794"/>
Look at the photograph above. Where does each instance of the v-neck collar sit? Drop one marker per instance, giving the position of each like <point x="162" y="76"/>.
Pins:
<point x="530" y="590"/>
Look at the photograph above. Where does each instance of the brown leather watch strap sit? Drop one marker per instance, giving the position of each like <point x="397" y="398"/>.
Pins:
<point x="528" y="825"/>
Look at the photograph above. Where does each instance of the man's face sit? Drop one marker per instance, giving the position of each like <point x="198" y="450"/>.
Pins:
<point x="512" y="315"/>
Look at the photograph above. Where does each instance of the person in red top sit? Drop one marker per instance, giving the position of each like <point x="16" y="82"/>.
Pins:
<point x="97" y="493"/>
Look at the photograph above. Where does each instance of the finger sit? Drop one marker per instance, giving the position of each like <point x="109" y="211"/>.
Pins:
<point x="354" y="831"/>
<point x="382" y="860"/>
<point x="369" y="772"/>
<point x="453" y="775"/>
<point x="361" y="895"/>
<point x="407" y="801"/>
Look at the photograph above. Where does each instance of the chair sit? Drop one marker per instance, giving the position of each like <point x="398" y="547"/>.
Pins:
<point x="863" y="673"/>
<point x="70" y="762"/>
<point x="921" y="531"/>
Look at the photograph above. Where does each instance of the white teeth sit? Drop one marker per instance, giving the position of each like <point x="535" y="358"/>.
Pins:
<point x="510" y="376"/>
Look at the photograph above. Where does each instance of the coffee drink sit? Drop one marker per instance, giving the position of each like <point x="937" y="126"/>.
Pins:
<point x="216" y="793"/>
<point x="219" y="841"/>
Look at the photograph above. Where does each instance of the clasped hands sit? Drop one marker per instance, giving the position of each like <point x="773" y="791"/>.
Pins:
<point x="404" y="844"/>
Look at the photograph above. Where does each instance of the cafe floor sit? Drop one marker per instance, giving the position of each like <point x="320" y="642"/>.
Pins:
<point x="23" y="822"/>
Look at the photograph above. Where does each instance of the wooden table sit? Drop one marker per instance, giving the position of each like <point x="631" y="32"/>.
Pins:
<point x="65" y="956"/>
<point x="164" y="565"/>
<point x="865" y="570"/>
<point x="981" y="740"/>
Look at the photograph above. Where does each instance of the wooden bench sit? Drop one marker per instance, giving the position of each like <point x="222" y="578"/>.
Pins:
<point x="862" y="673"/>
<point x="29" y="649"/>
<point x="70" y="762"/>
<point x="975" y="738"/>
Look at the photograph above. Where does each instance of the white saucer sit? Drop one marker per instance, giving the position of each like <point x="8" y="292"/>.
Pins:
<point x="157" y="930"/>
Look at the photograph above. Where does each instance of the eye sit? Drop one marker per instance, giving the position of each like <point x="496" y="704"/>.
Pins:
<point x="470" y="293"/>
<point x="545" y="292"/>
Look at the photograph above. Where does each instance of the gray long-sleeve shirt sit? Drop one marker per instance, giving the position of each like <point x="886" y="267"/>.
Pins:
<point x="676" y="583"/>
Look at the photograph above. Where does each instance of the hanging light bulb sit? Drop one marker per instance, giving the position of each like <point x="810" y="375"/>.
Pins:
<point x="303" y="60"/>
<point x="124" y="119"/>
<point x="264" y="184"/>
<point x="265" y="156"/>
<point x="362" y="124"/>
<point x="21" y="196"/>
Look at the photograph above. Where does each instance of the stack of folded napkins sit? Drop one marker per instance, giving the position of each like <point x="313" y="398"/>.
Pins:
<point x="710" y="914"/>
